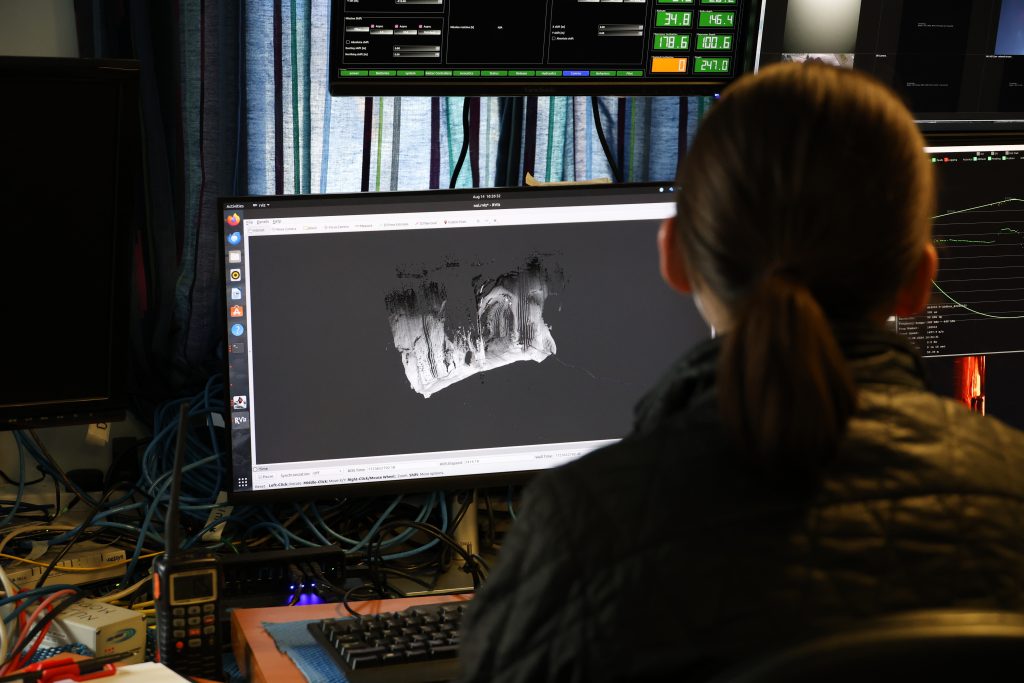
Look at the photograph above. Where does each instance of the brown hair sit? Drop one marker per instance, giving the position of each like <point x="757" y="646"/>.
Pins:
<point x="805" y="201"/>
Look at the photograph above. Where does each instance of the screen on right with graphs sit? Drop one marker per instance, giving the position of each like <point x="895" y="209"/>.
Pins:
<point x="972" y="332"/>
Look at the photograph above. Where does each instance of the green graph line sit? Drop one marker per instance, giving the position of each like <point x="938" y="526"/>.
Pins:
<point x="956" y="241"/>
<point x="943" y="292"/>
<point x="976" y="208"/>
<point x="967" y="308"/>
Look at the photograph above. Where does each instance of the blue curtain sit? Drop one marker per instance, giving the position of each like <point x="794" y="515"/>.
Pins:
<point x="235" y="102"/>
<point x="301" y="140"/>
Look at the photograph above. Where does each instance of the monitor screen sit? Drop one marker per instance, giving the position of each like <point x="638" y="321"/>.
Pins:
<point x="958" y="65"/>
<point x="594" y="47"/>
<point x="68" y="184"/>
<point x="378" y="342"/>
<point x="974" y="323"/>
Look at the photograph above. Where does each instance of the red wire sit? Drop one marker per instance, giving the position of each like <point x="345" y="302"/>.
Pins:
<point x="22" y="660"/>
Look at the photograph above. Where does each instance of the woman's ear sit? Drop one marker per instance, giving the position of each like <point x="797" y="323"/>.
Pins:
<point x="916" y="292"/>
<point x="671" y="258"/>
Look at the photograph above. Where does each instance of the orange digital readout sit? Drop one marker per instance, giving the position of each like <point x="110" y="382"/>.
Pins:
<point x="665" y="65"/>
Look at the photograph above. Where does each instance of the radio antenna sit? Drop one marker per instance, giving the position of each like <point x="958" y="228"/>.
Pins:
<point x="171" y="523"/>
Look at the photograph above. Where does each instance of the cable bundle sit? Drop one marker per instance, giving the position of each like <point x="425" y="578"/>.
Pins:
<point x="401" y="537"/>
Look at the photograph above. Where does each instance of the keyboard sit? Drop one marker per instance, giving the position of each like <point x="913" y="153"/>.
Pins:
<point x="418" y="645"/>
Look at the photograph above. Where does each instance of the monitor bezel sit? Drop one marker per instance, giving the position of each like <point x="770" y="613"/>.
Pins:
<point x="114" y="405"/>
<point x="400" y="486"/>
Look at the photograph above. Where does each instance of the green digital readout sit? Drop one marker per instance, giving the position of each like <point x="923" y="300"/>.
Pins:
<point x="713" y="19"/>
<point x="675" y="2"/>
<point x="712" y="65"/>
<point x="671" y="41"/>
<point x="714" y="41"/>
<point x="673" y="19"/>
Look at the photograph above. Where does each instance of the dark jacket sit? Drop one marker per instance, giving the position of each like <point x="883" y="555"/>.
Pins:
<point x="667" y="552"/>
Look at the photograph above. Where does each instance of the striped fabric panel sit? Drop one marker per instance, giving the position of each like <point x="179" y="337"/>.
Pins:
<point x="318" y="120"/>
<point x="279" y="105"/>
<point x="396" y="144"/>
<point x="260" y="100"/>
<point x="191" y="36"/>
<point x="474" y="142"/>
<point x="530" y="140"/>
<point x="364" y="161"/>
<point x="435" y="143"/>
<point x="209" y="35"/>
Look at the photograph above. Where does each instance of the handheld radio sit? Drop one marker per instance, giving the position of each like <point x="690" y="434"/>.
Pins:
<point x="186" y="591"/>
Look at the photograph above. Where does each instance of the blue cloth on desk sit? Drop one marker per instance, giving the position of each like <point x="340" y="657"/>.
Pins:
<point x="295" y="640"/>
<point x="47" y="652"/>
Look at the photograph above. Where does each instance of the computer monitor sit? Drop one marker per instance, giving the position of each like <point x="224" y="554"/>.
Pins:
<point x="972" y="332"/>
<point x="959" y="65"/>
<point x="565" y="47"/>
<point x="71" y="141"/>
<point x="384" y="342"/>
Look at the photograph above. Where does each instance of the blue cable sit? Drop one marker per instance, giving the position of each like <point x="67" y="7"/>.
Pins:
<point x="199" y="534"/>
<point x="377" y="524"/>
<point x="426" y="546"/>
<point x="46" y="468"/>
<point x="31" y="596"/>
<point x="149" y="516"/>
<point x="285" y="530"/>
<point x="408" y="533"/>
<point x="400" y="538"/>
<point x="316" y="532"/>
<point x="21" y="486"/>
<point x="274" y="529"/>
<point x="328" y="529"/>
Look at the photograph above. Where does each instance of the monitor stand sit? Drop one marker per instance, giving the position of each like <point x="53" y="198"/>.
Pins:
<point x="467" y="535"/>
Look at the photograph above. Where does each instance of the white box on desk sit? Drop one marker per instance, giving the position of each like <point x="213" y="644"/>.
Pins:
<point x="105" y="629"/>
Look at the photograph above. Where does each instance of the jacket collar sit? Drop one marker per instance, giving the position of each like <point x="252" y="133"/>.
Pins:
<point x="876" y="356"/>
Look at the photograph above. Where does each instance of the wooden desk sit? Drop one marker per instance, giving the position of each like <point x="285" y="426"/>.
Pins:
<point x="258" y="656"/>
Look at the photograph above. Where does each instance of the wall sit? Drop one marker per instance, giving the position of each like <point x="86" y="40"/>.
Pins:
<point x="38" y="28"/>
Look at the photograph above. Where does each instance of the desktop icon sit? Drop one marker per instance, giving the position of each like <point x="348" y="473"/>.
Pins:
<point x="237" y="330"/>
<point x="236" y="347"/>
<point x="236" y="293"/>
<point x="233" y="220"/>
<point x="239" y="402"/>
<point x="235" y="238"/>
<point x="234" y="256"/>
<point x="235" y="274"/>
<point x="237" y="311"/>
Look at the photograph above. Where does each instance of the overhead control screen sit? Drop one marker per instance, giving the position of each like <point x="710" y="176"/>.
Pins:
<point x="541" y="46"/>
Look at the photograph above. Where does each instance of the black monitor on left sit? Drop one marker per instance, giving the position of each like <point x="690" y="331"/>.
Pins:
<point x="70" y="135"/>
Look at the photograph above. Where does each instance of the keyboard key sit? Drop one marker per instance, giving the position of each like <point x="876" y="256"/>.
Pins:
<point x="363" y="661"/>
<point x="364" y="652"/>
<point x="444" y="651"/>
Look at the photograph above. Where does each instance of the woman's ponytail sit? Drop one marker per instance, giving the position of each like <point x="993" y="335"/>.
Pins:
<point x="785" y="389"/>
